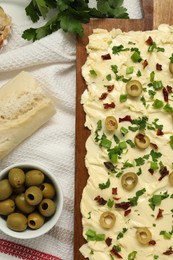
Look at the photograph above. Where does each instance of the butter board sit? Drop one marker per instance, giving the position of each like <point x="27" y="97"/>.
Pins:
<point x="155" y="12"/>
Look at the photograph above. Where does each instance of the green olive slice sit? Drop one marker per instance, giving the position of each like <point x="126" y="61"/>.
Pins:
<point x="111" y="123"/>
<point x="143" y="235"/>
<point x="171" y="178"/>
<point x="134" y="88"/>
<point x="129" y="181"/>
<point x="107" y="220"/>
<point x="171" y="67"/>
<point x="142" y="141"/>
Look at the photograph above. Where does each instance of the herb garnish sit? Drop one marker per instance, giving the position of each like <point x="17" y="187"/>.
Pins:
<point x="93" y="236"/>
<point x="106" y="185"/>
<point x="156" y="199"/>
<point x="69" y="15"/>
<point x="121" y="234"/>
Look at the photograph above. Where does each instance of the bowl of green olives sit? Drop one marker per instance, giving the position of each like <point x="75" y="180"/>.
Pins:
<point x="31" y="200"/>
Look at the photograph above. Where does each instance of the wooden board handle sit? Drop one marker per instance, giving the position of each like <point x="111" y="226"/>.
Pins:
<point x="163" y="12"/>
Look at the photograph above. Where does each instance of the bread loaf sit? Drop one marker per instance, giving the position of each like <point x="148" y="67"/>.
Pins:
<point x="24" y="107"/>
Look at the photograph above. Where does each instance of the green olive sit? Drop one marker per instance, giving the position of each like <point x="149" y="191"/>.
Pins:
<point x="171" y="67"/>
<point x="111" y="123"/>
<point x="142" y="141"/>
<point x="33" y="195"/>
<point x="171" y="178"/>
<point x="19" y="190"/>
<point x="134" y="88"/>
<point x="129" y="181"/>
<point x="17" y="222"/>
<point x="23" y="205"/>
<point x="34" y="178"/>
<point x="143" y="235"/>
<point x="7" y="207"/>
<point x="16" y="177"/>
<point x="47" y="207"/>
<point x="35" y="220"/>
<point x="107" y="220"/>
<point x="5" y="189"/>
<point x="48" y="190"/>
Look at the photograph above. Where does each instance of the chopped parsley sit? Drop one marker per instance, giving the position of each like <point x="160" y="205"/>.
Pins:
<point x="158" y="104"/>
<point x="124" y="131"/>
<point x="93" y="72"/>
<point x="134" y="200"/>
<point x="121" y="234"/>
<point x="132" y="255"/>
<point x="109" y="77"/>
<point x="123" y="98"/>
<point x="156" y="199"/>
<point x="171" y="58"/>
<point x="136" y="57"/>
<point x="110" y="203"/>
<point x="171" y="141"/>
<point x="114" y="68"/>
<point x="119" y="48"/>
<point x="93" y="236"/>
<point x="166" y="234"/>
<point x="138" y="74"/>
<point x="106" y="185"/>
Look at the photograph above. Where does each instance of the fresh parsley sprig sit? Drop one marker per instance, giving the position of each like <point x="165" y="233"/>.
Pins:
<point x="69" y="15"/>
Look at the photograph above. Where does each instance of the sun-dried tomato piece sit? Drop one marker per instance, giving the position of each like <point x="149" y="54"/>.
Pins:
<point x="115" y="253"/>
<point x="163" y="172"/>
<point x="152" y="242"/>
<point x="168" y="252"/>
<point x="123" y="205"/>
<point x="158" y="67"/>
<point x="151" y="171"/>
<point x="126" y="118"/>
<point x="155" y="146"/>
<point x="103" y="96"/>
<point x="109" y="105"/>
<point x="106" y="56"/>
<point x="140" y="137"/>
<point x="149" y="41"/>
<point x="108" y="241"/>
<point x="145" y="63"/>
<point x="160" y="132"/>
<point x="127" y="212"/>
<point x="114" y="191"/>
<point x="169" y="89"/>
<point x="110" y="88"/>
<point x="116" y="198"/>
<point x="165" y="94"/>
<point x="160" y="215"/>
<point x="100" y="200"/>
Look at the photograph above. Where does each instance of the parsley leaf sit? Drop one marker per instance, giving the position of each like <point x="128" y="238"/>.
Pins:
<point x="106" y="185"/>
<point x="69" y="15"/>
<point x="139" y="193"/>
<point x="156" y="199"/>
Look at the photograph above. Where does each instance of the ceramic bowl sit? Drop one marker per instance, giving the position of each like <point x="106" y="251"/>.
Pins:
<point x="51" y="221"/>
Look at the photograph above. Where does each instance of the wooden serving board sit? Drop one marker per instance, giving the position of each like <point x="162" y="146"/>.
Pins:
<point x="155" y="12"/>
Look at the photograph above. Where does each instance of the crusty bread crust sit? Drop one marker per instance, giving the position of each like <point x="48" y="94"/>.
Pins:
<point x="5" y="27"/>
<point x="25" y="107"/>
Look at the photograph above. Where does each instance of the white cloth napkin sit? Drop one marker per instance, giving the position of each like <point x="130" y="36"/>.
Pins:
<point x="52" y="62"/>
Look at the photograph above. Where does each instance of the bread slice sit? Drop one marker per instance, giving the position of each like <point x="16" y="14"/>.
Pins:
<point x="5" y="27"/>
<point x="24" y="107"/>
